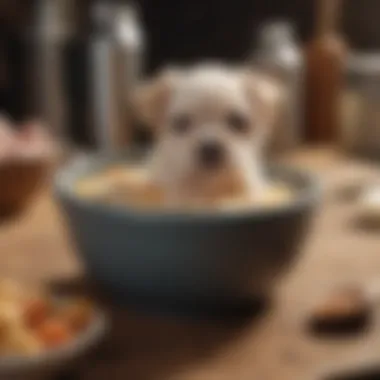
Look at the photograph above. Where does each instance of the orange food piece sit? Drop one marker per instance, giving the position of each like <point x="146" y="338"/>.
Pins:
<point x="36" y="311"/>
<point x="54" y="333"/>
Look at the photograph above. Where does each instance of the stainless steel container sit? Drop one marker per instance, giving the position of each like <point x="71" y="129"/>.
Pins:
<point x="116" y="52"/>
<point x="361" y="106"/>
<point x="54" y="27"/>
<point x="88" y="57"/>
<point x="279" y="55"/>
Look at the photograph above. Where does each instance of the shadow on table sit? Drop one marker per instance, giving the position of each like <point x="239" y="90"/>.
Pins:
<point x="158" y="347"/>
<point x="366" y="225"/>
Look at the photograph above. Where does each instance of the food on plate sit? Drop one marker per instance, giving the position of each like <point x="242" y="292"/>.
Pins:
<point x="344" y="311"/>
<point x="54" y="332"/>
<point x="78" y="314"/>
<point x="32" y="321"/>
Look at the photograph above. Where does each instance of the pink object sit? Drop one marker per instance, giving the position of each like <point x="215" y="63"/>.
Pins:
<point x="6" y="137"/>
<point x="30" y="141"/>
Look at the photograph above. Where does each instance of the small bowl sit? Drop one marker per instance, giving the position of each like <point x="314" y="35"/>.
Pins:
<point x="51" y="363"/>
<point x="20" y="181"/>
<point x="182" y="262"/>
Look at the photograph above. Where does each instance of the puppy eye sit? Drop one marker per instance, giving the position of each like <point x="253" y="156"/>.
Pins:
<point x="181" y="124"/>
<point x="238" y="122"/>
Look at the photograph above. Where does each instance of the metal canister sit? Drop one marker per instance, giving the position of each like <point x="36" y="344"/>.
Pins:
<point x="116" y="56"/>
<point x="361" y="106"/>
<point x="279" y="55"/>
<point x="53" y="28"/>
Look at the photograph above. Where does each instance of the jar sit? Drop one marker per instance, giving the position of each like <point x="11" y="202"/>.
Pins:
<point x="361" y="106"/>
<point x="279" y="55"/>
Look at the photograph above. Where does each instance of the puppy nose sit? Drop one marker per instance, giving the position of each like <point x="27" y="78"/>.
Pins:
<point x="211" y="154"/>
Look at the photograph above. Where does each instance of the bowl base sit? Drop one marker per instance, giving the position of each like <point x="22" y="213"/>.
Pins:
<point x="233" y="309"/>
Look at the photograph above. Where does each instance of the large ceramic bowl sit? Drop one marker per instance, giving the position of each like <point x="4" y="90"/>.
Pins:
<point x="191" y="262"/>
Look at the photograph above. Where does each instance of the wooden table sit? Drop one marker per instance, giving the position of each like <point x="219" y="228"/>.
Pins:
<point x="272" y="347"/>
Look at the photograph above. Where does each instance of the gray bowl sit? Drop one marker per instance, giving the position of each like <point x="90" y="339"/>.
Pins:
<point x="50" y="364"/>
<point x="185" y="262"/>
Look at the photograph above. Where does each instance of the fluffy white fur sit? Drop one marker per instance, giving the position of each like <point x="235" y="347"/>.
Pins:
<point x="231" y="108"/>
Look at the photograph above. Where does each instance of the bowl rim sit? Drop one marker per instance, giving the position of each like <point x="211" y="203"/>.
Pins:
<point x="65" y="178"/>
<point x="78" y="346"/>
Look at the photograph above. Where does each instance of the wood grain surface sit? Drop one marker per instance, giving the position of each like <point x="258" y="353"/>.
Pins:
<point x="272" y="346"/>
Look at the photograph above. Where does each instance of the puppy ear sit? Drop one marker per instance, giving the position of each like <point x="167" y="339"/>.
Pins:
<point x="267" y="95"/>
<point x="151" y="98"/>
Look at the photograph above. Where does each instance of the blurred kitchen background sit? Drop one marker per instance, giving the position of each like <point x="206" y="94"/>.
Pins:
<point x="74" y="64"/>
<point x="174" y="32"/>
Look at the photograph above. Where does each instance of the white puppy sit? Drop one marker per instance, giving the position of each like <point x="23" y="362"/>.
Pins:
<point x="212" y="123"/>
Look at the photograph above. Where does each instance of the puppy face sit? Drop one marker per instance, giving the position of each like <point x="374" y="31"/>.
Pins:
<point x="211" y="124"/>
